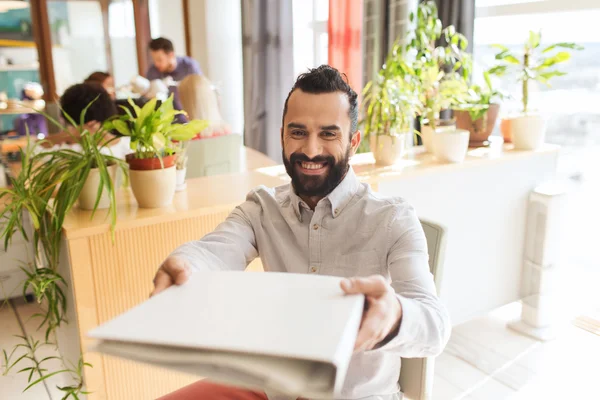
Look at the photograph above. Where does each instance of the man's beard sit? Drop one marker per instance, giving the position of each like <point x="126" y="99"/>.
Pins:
<point x="317" y="185"/>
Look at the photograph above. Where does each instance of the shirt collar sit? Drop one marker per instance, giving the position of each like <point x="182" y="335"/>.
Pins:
<point x="338" y="198"/>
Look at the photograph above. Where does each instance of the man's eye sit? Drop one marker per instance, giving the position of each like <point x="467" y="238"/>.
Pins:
<point x="328" y="134"/>
<point x="298" y="133"/>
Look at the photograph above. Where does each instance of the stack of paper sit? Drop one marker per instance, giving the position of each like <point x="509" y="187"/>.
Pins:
<point x="289" y="334"/>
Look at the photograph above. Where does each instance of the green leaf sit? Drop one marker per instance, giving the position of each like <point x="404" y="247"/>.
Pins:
<point x="498" y="70"/>
<point x="534" y="39"/>
<point x="121" y="127"/>
<point x="564" y="45"/>
<point x="158" y="140"/>
<point x="44" y="378"/>
<point x="559" y="57"/>
<point x="135" y="107"/>
<point x="488" y="81"/>
<point x="502" y="48"/>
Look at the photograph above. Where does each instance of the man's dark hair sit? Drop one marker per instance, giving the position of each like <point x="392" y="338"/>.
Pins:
<point x="161" y="43"/>
<point x="97" y="77"/>
<point x="326" y="79"/>
<point x="77" y="97"/>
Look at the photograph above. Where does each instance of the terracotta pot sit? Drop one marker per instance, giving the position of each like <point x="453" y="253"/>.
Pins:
<point x="148" y="164"/>
<point x="481" y="129"/>
<point x="506" y="129"/>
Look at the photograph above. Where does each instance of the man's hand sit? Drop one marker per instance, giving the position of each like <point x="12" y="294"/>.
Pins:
<point x="382" y="314"/>
<point x="173" y="271"/>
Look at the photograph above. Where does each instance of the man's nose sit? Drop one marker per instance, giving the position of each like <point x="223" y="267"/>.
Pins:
<point x="312" y="146"/>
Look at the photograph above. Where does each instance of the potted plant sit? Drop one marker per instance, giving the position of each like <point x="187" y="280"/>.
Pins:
<point x="528" y="128"/>
<point x="442" y="71"/>
<point x="47" y="187"/>
<point x="153" y="134"/>
<point x="478" y="112"/>
<point x="439" y="91"/>
<point x="93" y="163"/>
<point x="390" y="104"/>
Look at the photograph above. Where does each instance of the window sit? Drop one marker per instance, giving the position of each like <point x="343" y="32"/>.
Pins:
<point x="310" y="34"/>
<point x="571" y="103"/>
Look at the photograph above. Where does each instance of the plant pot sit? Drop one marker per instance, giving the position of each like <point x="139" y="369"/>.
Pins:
<point x="451" y="146"/>
<point x="481" y="129"/>
<point x="505" y="129"/>
<point x="529" y="131"/>
<point x="153" y="188"/>
<point x="146" y="164"/>
<point x="180" y="184"/>
<point x="388" y="149"/>
<point x="89" y="192"/>
<point x="427" y="133"/>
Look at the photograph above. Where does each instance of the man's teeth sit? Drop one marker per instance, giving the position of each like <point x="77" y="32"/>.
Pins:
<point x="306" y="165"/>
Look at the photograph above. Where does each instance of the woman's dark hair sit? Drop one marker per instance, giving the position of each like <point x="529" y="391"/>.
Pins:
<point x="326" y="79"/>
<point x="161" y="43"/>
<point x="77" y="97"/>
<point x="97" y="77"/>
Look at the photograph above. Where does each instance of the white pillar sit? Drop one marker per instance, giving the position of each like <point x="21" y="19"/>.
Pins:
<point x="539" y="281"/>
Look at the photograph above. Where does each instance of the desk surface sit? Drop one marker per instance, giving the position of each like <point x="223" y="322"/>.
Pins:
<point x="208" y="194"/>
<point x="13" y="107"/>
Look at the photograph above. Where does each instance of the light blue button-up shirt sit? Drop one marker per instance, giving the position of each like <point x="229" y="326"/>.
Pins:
<point x="351" y="232"/>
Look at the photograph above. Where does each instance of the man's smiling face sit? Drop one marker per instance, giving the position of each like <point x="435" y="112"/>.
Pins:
<point x="316" y="140"/>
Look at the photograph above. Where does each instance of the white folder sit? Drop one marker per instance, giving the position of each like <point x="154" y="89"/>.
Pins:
<point x="288" y="334"/>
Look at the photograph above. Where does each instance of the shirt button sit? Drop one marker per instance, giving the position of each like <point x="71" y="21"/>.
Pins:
<point x="313" y="269"/>
<point x="336" y="211"/>
<point x="315" y="227"/>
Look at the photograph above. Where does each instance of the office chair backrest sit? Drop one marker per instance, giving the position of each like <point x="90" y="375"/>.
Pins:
<point x="416" y="374"/>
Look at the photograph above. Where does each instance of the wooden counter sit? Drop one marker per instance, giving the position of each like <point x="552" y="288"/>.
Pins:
<point x="482" y="202"/>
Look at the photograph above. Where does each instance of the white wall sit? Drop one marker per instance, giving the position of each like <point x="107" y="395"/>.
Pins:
<point x="121" y="30"/>
<point x="166" y="20"/>
<point x="20" y="55"/>
<point x="81" y="50"/>
<point x="216" y="43"/>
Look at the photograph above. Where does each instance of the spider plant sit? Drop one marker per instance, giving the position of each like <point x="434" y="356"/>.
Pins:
<point x="42" y="195"/>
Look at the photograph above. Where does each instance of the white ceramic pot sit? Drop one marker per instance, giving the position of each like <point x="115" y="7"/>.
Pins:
<point x="387" y="149"/>
<point x="426" y="132"/>
<point x="89" y="192"/>
<point x="427" y="135"/>
<point x="529" y="131"/>
<point x="180" y="180"/>
<point x="450" y="146"/>
<point x="153" y="188"/>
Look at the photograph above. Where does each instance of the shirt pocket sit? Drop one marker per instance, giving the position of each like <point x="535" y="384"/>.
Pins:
<point x="363" y="263"/>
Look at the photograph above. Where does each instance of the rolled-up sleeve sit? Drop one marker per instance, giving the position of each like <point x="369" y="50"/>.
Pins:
<point x="230" y="247"/>
<point x="425" y="325"/>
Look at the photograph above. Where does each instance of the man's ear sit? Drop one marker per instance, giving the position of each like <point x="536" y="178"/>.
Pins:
<point x="281" y="130"/>
<point x="355" y="141"/>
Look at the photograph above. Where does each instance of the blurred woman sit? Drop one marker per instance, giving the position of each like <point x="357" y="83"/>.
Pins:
<point x="104" y="79"/>
<point x="199" y="99"/>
